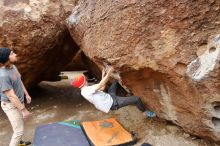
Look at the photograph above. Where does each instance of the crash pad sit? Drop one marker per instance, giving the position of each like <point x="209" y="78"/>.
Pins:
<point x="60" y="134"/>
<point x="107" y="132"/>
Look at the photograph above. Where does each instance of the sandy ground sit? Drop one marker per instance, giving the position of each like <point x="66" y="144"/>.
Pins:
<point x="58" y="101"/>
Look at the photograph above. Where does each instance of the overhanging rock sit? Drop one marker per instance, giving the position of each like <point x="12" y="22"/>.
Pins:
<point x="163" y="51"/>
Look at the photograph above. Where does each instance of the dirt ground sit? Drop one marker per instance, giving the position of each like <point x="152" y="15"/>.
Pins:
<point x="58" y="101"/>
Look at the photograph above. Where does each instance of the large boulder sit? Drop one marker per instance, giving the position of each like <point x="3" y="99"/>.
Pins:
<point x="35" y="30"/>
<point x="167" y="52"/>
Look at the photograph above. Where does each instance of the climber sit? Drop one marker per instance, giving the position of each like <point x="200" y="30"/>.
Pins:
<point x="102" y="100"/>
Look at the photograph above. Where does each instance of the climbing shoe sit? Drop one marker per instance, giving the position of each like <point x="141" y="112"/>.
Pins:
<point x="150" y="114"/>
<point x="24" y="143"/>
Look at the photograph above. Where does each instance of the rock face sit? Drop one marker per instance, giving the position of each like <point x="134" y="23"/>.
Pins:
<point x="167" y="52"/>
<point x="76" y="63"/>
<point x="34" y="29"/>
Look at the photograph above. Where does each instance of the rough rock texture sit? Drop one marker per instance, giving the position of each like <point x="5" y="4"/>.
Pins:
<point x="76" y="63"/>
<point x="34" y="29"/>
<point x="67" y="5"/>
<point x="166" y="51"/>
<point x="92" y="67"/>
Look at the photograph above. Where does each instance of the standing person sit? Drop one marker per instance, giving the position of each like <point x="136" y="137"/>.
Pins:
<point x="13" y="92"/>
<point x="102" y="100"/>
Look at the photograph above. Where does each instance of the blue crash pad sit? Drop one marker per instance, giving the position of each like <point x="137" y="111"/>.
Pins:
<point x="60" y="134"/>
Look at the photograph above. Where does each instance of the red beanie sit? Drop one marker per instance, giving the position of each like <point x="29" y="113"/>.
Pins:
<point x="79" y="81"/>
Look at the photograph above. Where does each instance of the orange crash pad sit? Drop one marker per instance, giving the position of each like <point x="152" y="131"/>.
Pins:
<point x="107" y="132"/>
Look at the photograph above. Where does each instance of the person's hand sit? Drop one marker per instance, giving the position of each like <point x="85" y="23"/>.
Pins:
<point x="28" y="98"/>
<point x="25" y="113"/>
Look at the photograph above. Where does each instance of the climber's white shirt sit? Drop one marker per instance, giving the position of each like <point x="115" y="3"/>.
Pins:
<point x="102" y="101"/>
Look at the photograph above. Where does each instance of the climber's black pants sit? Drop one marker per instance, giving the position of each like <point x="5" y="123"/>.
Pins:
<point x="119" y="101"/>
